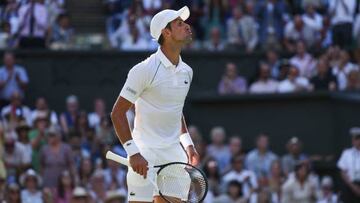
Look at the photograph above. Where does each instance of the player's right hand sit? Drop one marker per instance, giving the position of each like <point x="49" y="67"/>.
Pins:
<point x="139" y="164"/>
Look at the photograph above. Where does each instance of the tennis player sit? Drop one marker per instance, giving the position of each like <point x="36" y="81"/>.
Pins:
<point x="158" y="87"/>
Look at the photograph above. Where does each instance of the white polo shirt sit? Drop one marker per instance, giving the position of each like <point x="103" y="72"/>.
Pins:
<point x="349" y="162"/>
<point x="158" y="89"/>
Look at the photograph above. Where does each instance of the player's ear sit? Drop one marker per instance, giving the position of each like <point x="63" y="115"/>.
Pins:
<point x="166" y="32"/>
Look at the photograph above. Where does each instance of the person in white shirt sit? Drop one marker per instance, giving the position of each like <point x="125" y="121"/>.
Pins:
<point x="158" y="87"/>
<point x="99" y="113"/>
<point x="31" y="182"/>
<point x="294" y="83"/>
<point x="264" y="84"/>
<point x="342" y="69"/>
<point x="303" y="61"/>
<point x="349" y="164"/>
<point x="342" y="18"/>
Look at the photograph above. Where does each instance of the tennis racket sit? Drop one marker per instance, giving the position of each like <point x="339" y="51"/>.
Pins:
<point x="174" y="180"/>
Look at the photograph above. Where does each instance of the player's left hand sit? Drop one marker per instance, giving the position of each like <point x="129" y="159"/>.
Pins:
<point x="194" y="157"/>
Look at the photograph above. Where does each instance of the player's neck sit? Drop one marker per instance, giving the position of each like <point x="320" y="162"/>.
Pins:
<point x="171" y="52"/>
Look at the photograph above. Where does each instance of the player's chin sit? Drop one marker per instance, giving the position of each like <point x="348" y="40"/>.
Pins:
<point x="188" y="40"/>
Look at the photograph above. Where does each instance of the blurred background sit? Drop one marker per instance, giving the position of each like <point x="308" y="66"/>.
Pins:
<point x="272" y="105"/>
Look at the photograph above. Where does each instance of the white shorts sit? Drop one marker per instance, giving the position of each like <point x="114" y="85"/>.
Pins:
<point x="140" y="189"/>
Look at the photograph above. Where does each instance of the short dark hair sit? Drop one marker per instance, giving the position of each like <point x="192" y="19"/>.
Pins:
<point x="161" y="38"/>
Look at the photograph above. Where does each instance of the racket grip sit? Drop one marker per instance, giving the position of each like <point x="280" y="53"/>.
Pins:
<point x="117" y="158"/>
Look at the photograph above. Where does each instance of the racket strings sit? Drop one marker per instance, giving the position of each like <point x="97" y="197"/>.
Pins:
<point x="183" y="182"/>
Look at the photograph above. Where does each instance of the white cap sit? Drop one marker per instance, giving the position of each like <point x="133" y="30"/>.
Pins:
<point x="161" y="19"/>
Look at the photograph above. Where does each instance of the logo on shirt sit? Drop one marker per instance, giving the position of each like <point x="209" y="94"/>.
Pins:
<point x="132" y="193"/>
<point x="128" y="144"/>
<point x="186" y="82"/>
<point x="131" y="90"/>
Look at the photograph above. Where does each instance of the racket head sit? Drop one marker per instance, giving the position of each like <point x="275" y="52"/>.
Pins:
<point x="183" y="181"/>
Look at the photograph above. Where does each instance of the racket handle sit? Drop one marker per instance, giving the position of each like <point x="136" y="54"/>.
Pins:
<point x="117" y="158"/>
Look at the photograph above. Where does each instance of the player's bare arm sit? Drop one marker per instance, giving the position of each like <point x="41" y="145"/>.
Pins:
<point x="122" y="129"/>
<point x="188" y="144"/>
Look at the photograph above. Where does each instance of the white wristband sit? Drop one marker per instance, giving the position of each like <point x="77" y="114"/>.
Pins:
<point x="130" y="148"/>
<point x="185" y="140"/>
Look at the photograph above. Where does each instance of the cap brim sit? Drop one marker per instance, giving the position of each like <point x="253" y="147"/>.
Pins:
<point x="184" y="13"/>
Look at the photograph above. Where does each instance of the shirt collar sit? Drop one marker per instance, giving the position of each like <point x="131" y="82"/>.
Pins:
<point x="164" y="60"/>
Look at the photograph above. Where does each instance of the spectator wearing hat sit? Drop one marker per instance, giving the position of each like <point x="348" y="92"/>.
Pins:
<point x="349" y="164"/>
<point x="12" y="156"/>
<point x="42" y="109"/>
<point x="80" y="195"/>
<point x="327" y="195"/>
<point x="37" y="138"/>
<point x="68" y="118"/>
<point x="24" y="144"/>
<point x="294" y="155"/>
<point x="55" y="157"/>
<point x="13" y="193"/>
<point x="31" y="183"/>
<point x="115" y="196"/>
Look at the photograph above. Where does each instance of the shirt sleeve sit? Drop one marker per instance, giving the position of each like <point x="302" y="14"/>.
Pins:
<point x="23" y="75"/>
<point x="342" y="163"/>
<point x="136" y="82"/>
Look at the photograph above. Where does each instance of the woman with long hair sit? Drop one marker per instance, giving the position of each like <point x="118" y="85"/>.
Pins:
<point x="64" y="188"/>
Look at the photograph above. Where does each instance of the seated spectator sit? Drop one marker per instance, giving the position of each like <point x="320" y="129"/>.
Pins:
<point x="12" y="156"/>
<point x="61" y="34"/>
<point x="42" y="109"/>
<point x="350" y="176"/>
<point x="13" y="193"/>
<point x="324" y="79"/>
<point x="242" y="30"/>
<point x="31" y="183"/>
<point x="55" y="157"/>
<point x="13" y="113"/>
<point x="276" y="180"/>
<point x="85" y="172"/>
<point x="215" y="42"/>
<point x="37" y="137"/>
<point x="22" y="131"/>
<point x="353" y="80"/>
<point x="231" y="82"/>
<point x="325" y="33"/>
<point x="303" y="61"/>
<point x="7" y="40"/>
<point x="264" y="84"/>
<point x="80" y="195"/>
<point x="343" y="68"/>
<point x="272" y="60"/>
<point x="54" y="8"/>
<point x="98" y="113"/>
<point x="327" y="194"/>
<point x="294" y="83"/>
<point x="311" y="18"/>
<point x="259" y="160"/>
<point x="13" y="78"/>
<point x="68" y="118"/>
<point x="246" y="178"/>
<point x="98" y="186"/>
<point x="294" y="155"/>
<point x="233" y="194"/>
<point x="10" y="15"/>
<point x="133" y="41"/>
<point x="235" y="146"/>
<point x="297" y="30"/>
<point x="218" y="149"/>
<point x="64" y="188"/>
<point x="299" y="188"/>
<point x="33" y="24"/>
<point x="212" y="173"/>
<point x="115" y="176"/>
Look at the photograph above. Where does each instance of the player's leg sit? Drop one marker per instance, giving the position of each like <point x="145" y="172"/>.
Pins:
<point x="158" y="199"/>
